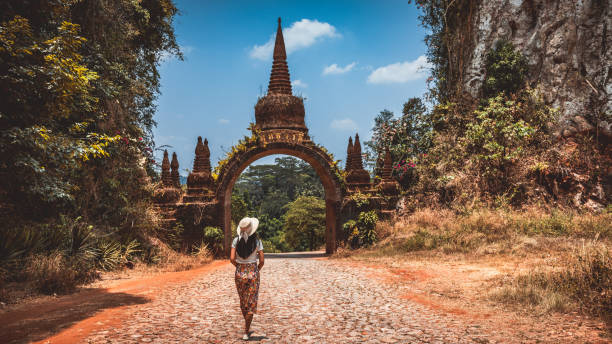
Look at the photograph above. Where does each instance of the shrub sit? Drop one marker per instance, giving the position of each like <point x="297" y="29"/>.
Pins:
<point x="213" y="239"/>
<point x="361" y="232"/>
<point x="503" y="130"/>
<point x="422" y="240"/>
<point x="366" y="221"/>
<point x="56" y="273"/>
<point x="506" y="70"/>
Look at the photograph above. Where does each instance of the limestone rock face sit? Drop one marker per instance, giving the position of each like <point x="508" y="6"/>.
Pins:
<point x="567" y="44"/>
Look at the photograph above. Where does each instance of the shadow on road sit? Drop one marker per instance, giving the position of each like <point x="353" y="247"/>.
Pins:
<point x="42" y="320"/>
<point x="257" y="338"/>
<point x="309" y="254"/>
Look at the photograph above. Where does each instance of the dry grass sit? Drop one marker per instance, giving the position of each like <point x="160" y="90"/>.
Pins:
<point x="582" y="278"/>
<point x="168" y="259"/>
<point x="488" y="231"/>
<point x="55" y="273"/>
<point x="576" y="245"/>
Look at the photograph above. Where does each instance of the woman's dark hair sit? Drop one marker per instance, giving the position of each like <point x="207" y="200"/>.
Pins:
<point x="244" y="249"/>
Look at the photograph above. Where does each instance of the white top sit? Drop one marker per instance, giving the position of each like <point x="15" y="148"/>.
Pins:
<point x="253" y="257"/>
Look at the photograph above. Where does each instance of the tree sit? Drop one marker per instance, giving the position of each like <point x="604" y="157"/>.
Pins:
<point x="78" y="81"/>
<point x="305" y="223"/>
<point x="268" y="190"/>
<point x="407" y="138"/>
<point x="240" y="208"/>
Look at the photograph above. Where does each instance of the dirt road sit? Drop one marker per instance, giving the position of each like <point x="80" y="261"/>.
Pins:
<point x="303" y="299"/>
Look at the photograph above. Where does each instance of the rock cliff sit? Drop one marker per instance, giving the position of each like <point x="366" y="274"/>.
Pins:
<point x="567" y="45"/>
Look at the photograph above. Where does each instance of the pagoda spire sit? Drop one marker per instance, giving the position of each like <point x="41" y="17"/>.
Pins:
<point x="280" y="82"/>
<point x="356" y="160"/>
<point x="202" y="156"/>
<point x="349" y="155"/>
<point x="174" y="173"/>
<point x="165" y="175"/>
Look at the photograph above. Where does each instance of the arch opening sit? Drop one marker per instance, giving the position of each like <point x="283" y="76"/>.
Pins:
<point x="331" y="187"/>
<point x="287" y="196"/>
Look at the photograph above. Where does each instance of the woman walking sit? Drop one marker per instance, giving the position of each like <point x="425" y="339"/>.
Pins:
<point x="246" y="249"/>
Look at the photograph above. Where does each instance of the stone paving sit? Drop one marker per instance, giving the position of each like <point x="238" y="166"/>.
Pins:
<point x="300" y="301"/>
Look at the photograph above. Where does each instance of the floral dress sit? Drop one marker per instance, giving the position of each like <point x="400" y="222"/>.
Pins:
<point x="247" y="281"/>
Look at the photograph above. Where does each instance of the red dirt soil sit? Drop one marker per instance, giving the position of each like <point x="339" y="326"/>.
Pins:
<point x="70" y="318"/>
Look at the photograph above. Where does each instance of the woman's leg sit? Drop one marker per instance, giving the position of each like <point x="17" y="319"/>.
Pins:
<point x="248" y="318"/>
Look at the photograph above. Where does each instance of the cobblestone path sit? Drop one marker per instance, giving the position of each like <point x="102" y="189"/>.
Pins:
<point x="301" y="301"/>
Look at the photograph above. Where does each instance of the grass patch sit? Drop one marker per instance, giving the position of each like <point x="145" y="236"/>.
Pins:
<point x="488" y="230"/>
<point x="576" y="246"/>
<point x="583" y="278"/>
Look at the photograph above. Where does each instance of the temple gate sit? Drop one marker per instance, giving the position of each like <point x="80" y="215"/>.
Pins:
<point x="279" y="128"/>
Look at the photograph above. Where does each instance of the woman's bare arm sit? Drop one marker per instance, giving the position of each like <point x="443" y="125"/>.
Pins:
<point x="261" y="260"/>
<point x="233" y="256"/>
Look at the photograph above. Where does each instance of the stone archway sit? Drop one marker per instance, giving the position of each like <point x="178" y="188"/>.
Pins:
<point x="279" y="128"/>
<point x="310" y="153"/>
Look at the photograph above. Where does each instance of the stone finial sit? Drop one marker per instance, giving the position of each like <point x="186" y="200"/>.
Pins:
<point x="357" y="159"/>
<point x="388" y="185"/>
<point x="280" y="82"/>
<point x="349" y="155"/>
<point x="165" y="174"/>
<point x="200" y="181"/>
<point x="357" y="176"/>
<point x="174" y="173"/>
<point x="202" y="157"/>
<point x="166" y="196"/>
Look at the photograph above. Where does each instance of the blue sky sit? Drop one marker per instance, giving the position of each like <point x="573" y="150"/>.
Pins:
<point x="350" y="59"/>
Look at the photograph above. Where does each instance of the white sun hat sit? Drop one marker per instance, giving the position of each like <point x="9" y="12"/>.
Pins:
<point x="246" y="222"/>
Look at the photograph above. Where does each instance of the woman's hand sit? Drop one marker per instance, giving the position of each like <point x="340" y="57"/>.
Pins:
<point x="233" y="257"/>
<point x="261" y="260"/>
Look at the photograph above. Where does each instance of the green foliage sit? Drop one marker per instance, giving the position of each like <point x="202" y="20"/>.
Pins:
<point x="466" y="148"/>
<point x="503" y="130"/>
<point x="79" y="81"/>
<point x="272" y="233"/>
<point x="305" y="223"/>
<point x="213" y="239"/>
<point x="240" y="208"/>
<point x="174" y="237"/>
<point x="265" y="191"/>
<point x="109" y="255"/>
<point x="361" y="200"/>
<point x="56" y="257"/>
<point x="366" y="222"/>
<point x="362" y="231"/>
<point x="407" y="138"/>
<point x="506" y="70"/>
<point x="422" y="240"/>
<point x="46" y="114"/>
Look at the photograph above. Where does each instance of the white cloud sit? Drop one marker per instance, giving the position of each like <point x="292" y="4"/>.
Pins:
<point x="299" y="83"/>
<point x="400" y="72"/>
<point x="224" y="121"/>
<point x="344" y="124"/>
<point x="299" y="35"/>
<point x="334" y="69"/>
